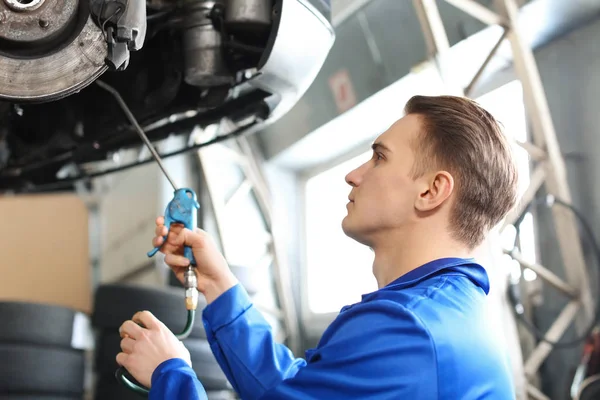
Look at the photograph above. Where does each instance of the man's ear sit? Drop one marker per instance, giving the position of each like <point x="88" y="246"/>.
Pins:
<point x="437" y="188"/>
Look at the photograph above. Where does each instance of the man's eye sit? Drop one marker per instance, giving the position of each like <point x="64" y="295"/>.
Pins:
<point x="377" y="156"/>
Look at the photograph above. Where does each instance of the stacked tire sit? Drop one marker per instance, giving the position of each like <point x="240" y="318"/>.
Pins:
<point x="116" y="303"/>
<point x="39" y="360"/>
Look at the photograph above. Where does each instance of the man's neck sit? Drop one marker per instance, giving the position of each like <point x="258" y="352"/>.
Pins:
<point x="401" y="252"/>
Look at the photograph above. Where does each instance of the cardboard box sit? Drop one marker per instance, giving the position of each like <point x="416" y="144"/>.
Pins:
<point x="44" y="250"/>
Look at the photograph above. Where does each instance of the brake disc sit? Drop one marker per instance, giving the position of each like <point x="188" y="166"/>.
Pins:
<point x="49" y="49"/>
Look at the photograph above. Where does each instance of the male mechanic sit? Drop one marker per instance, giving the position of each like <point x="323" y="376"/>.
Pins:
<point x="439" y="179"/>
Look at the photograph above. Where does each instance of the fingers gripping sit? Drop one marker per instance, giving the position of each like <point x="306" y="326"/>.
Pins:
<point x="174" y="260"/>
<point x="167" y="225"/>
<point x="127" y="345"/>
<point x="189" y="241"/>
<point x="161" y="230"/>
<point x="145" y="319"/>
<point x="122" y="359"/>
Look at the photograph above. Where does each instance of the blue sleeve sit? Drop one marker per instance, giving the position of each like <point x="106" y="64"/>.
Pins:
<point x="174" y="379"/>
<point x="244" y="346"/>
<point x="372" y="350"/>
<point x="376" y="350"/>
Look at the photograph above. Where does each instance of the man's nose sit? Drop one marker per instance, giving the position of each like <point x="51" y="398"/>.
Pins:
<point x="354" y="177"/>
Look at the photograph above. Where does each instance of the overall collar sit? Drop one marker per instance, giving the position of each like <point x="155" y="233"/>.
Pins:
<point x="465" y="266"/>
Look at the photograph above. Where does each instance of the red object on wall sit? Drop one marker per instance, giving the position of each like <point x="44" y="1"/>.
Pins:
<point x="342" y="90"/>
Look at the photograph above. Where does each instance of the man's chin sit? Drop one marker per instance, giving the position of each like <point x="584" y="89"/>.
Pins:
<point x="352" y="232"/>
<point x="346" y="225"/>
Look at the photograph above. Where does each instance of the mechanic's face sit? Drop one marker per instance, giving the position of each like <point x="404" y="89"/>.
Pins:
<point x="383" y="192"/>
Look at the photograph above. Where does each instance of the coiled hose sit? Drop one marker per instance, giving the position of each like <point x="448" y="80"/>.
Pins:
<point x="191" y="302"/>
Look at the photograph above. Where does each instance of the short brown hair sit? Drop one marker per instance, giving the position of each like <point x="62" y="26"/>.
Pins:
<point x="466" y="140"/>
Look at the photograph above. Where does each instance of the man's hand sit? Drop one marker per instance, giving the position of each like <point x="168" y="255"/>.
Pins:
<point x="212" y="270"/>
<point x="146" y="347"/>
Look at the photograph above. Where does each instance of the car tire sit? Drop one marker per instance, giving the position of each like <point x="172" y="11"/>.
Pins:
<point x="116" y="303"/>
<point x="38" y="324"/>
<point x="108" y="346"/>
<point x="45" y="370"/>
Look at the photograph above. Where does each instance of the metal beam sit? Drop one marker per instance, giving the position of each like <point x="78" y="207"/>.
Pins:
<point x="242" y="190"/>
<point x="536" y="393"/>
<point x="535" y="182"/>
<point x="478" y="11"/>
<point x="283" y="282"/>
<point x="436" y="39"/>
<point x="535" y="152"/>
<point x="546" y="275"/>
<point x="217" y="203"/>
<point x="432" y="27"/>
<point x="556" y="331"/>
<point x="544" y="136"/>
<point x="246" y="157"/>
<point x="487" y="60"/>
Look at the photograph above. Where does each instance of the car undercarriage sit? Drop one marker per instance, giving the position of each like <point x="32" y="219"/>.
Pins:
<point x="177" y="65"/>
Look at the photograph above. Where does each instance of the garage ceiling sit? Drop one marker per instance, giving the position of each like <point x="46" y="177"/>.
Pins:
<point x="341" y="9"/>
<point x="382" y="43"/>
